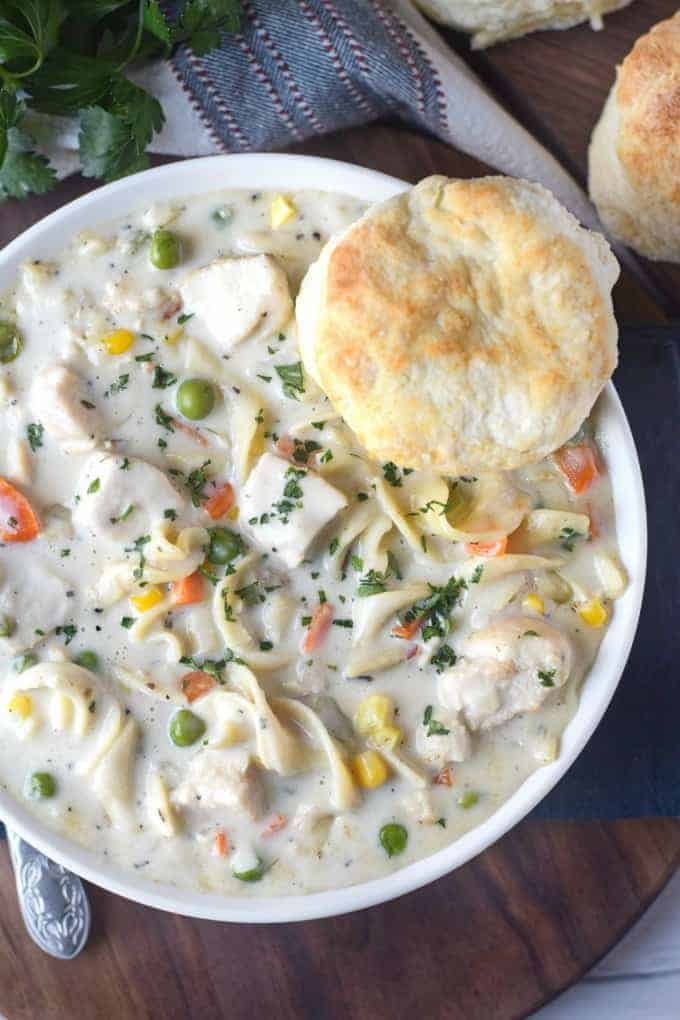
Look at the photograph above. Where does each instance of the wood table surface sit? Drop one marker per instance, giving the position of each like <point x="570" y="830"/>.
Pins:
<point x="514" y="927"/>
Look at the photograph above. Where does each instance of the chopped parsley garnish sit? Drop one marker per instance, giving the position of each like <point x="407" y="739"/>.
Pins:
<point x="567" y="538"/>
<point x="434" y="728"/>
<point x="477" y="574"/>
<point x="124" y="465"/>
<point x="326" y="457"/>
<point x="392" y="474"/>
<point x="442" y="822"/>
<point x="184" y="317"/>
<point x="120" y="384"/>
<point x="251" y="594"/>
<point x="372" y="583"/>
<point x="264" y="378"/>
<point x="64" y="553"/>
<point x="333" y="547"/>
<point x="362" y="496"/>
<point x="443" y="658"/>
<point x="196" y="482"/>
<point x="437" y="607"/>
<point x="138" y="547"/>
<point x="293" y="379"/>
<point x="292" y="494"/>
<point x="530" y="633"/>
<point x="162" y="378"/>
<point x="163" y="419"/>
<point x="93" y="487"/>
<point x="547" y="677"/>
<point x="303" y="450"/>
<point x="318" y="425"/>
<point x="266" y="646"/>
<point x="68" y="630"/>
<point x="35" y="435"/>
<point x="259" y="417"/>
<point x="144" y="357"/>
<point x="343" y="623"/>
<point x="357" y="563"/>
<point x="125" y="514"/>
<point x="127" y="622"/>
<point x="170" y="514"/>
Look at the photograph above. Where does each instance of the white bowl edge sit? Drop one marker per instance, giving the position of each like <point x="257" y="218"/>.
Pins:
<point x="192" y="177"/>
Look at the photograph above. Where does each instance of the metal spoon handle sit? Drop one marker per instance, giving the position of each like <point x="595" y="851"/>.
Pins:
<point x="53" y="901"/>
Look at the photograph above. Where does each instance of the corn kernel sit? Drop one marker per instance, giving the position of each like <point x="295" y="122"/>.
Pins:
<point x="593" y="613"/>
<point x="20" y="705"/>
<point x="385" y="736"/>
<point x="373" y="712"/>
<point x="174" y="335"/>
<point x="281" y="211"/>
<point x="370" y="769"/>
<point x="119" y="341"/>
<point x="151" y="597"/>
<point x="232" y="514"/>
<point x="533" y="604"/>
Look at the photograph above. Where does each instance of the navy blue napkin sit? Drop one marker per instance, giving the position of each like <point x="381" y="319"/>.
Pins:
<point x="631" y="767"/>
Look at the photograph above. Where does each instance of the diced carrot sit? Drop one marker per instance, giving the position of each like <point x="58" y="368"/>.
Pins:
<point x="18" y="521"/>
<point x="221" y="501"/>
<point x="408" y="631"/>
<point x="319" y="627"/>
<point x="188" y="590"/>
<point x="285" y="446"/>
<point x="195" y="684"/>
<point x="444" y="777"/>
<point x="496" y="548"/>
<point x="221" y="844"/>
<point x="578" y="466"/>
<point x="277" y="823"/>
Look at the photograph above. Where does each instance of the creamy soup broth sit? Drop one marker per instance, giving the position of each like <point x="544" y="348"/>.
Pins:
<point x="364" y="663"/>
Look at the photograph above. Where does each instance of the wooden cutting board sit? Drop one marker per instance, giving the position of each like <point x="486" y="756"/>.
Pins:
<point x="510" y="930"/>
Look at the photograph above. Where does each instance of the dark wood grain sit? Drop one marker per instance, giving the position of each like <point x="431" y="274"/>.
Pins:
<point x="500" y="936"/>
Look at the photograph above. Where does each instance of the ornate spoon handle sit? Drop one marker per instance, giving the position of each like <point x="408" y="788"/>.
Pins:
<point x="53" y="901"/>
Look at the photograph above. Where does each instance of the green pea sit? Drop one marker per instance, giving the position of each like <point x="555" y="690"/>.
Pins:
<point x="195" y="399"/>
<point x="165" y="251"/>
<point x="40" y="786"/>
<point x="225" y="546"/>
<point x="88" y="660"/>
<point x="186" y="728"/>
<point x="253" y="874"/>
<point x="7" y="625"/>
<point x="11" y="341"/>
<point x="468" y="799"/>
<point x="393" y="839"/>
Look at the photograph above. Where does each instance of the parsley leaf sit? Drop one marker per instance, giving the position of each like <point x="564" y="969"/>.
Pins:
<point x="293" y="379"/>
<point x="434" y="728"/>
<point x="34" y="431"/>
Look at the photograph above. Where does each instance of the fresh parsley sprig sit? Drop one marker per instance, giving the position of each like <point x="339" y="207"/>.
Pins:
<point x="68" y="58"/>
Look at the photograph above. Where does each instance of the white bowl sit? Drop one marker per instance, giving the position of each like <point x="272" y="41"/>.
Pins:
<point x="191" y="177"/>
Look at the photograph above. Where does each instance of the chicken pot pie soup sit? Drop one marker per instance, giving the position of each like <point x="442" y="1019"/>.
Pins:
<point x="235" y="652"/>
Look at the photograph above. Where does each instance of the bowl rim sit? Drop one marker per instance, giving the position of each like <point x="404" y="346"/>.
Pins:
<point x="193" y="177"/>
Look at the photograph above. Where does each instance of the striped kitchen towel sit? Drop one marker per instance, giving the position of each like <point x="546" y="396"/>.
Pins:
<point x="304" y="68"/>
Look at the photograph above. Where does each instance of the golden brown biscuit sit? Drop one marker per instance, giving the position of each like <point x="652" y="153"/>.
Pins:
<point x="492" y="21"/>
<point x="463" y="326"/>
<point x="634" y="156"/>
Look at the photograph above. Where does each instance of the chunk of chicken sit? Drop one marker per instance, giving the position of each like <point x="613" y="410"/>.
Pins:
<point x="217" y="779"/>
<point x="437" y="748"/>
<point x="61" y="401"/>
<point x="507" y="668"/>
<point x="36" y="601"/>
<point x="234" y="298"/>
<point x="288" y="507"/>
<point x="119" y="498"/>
